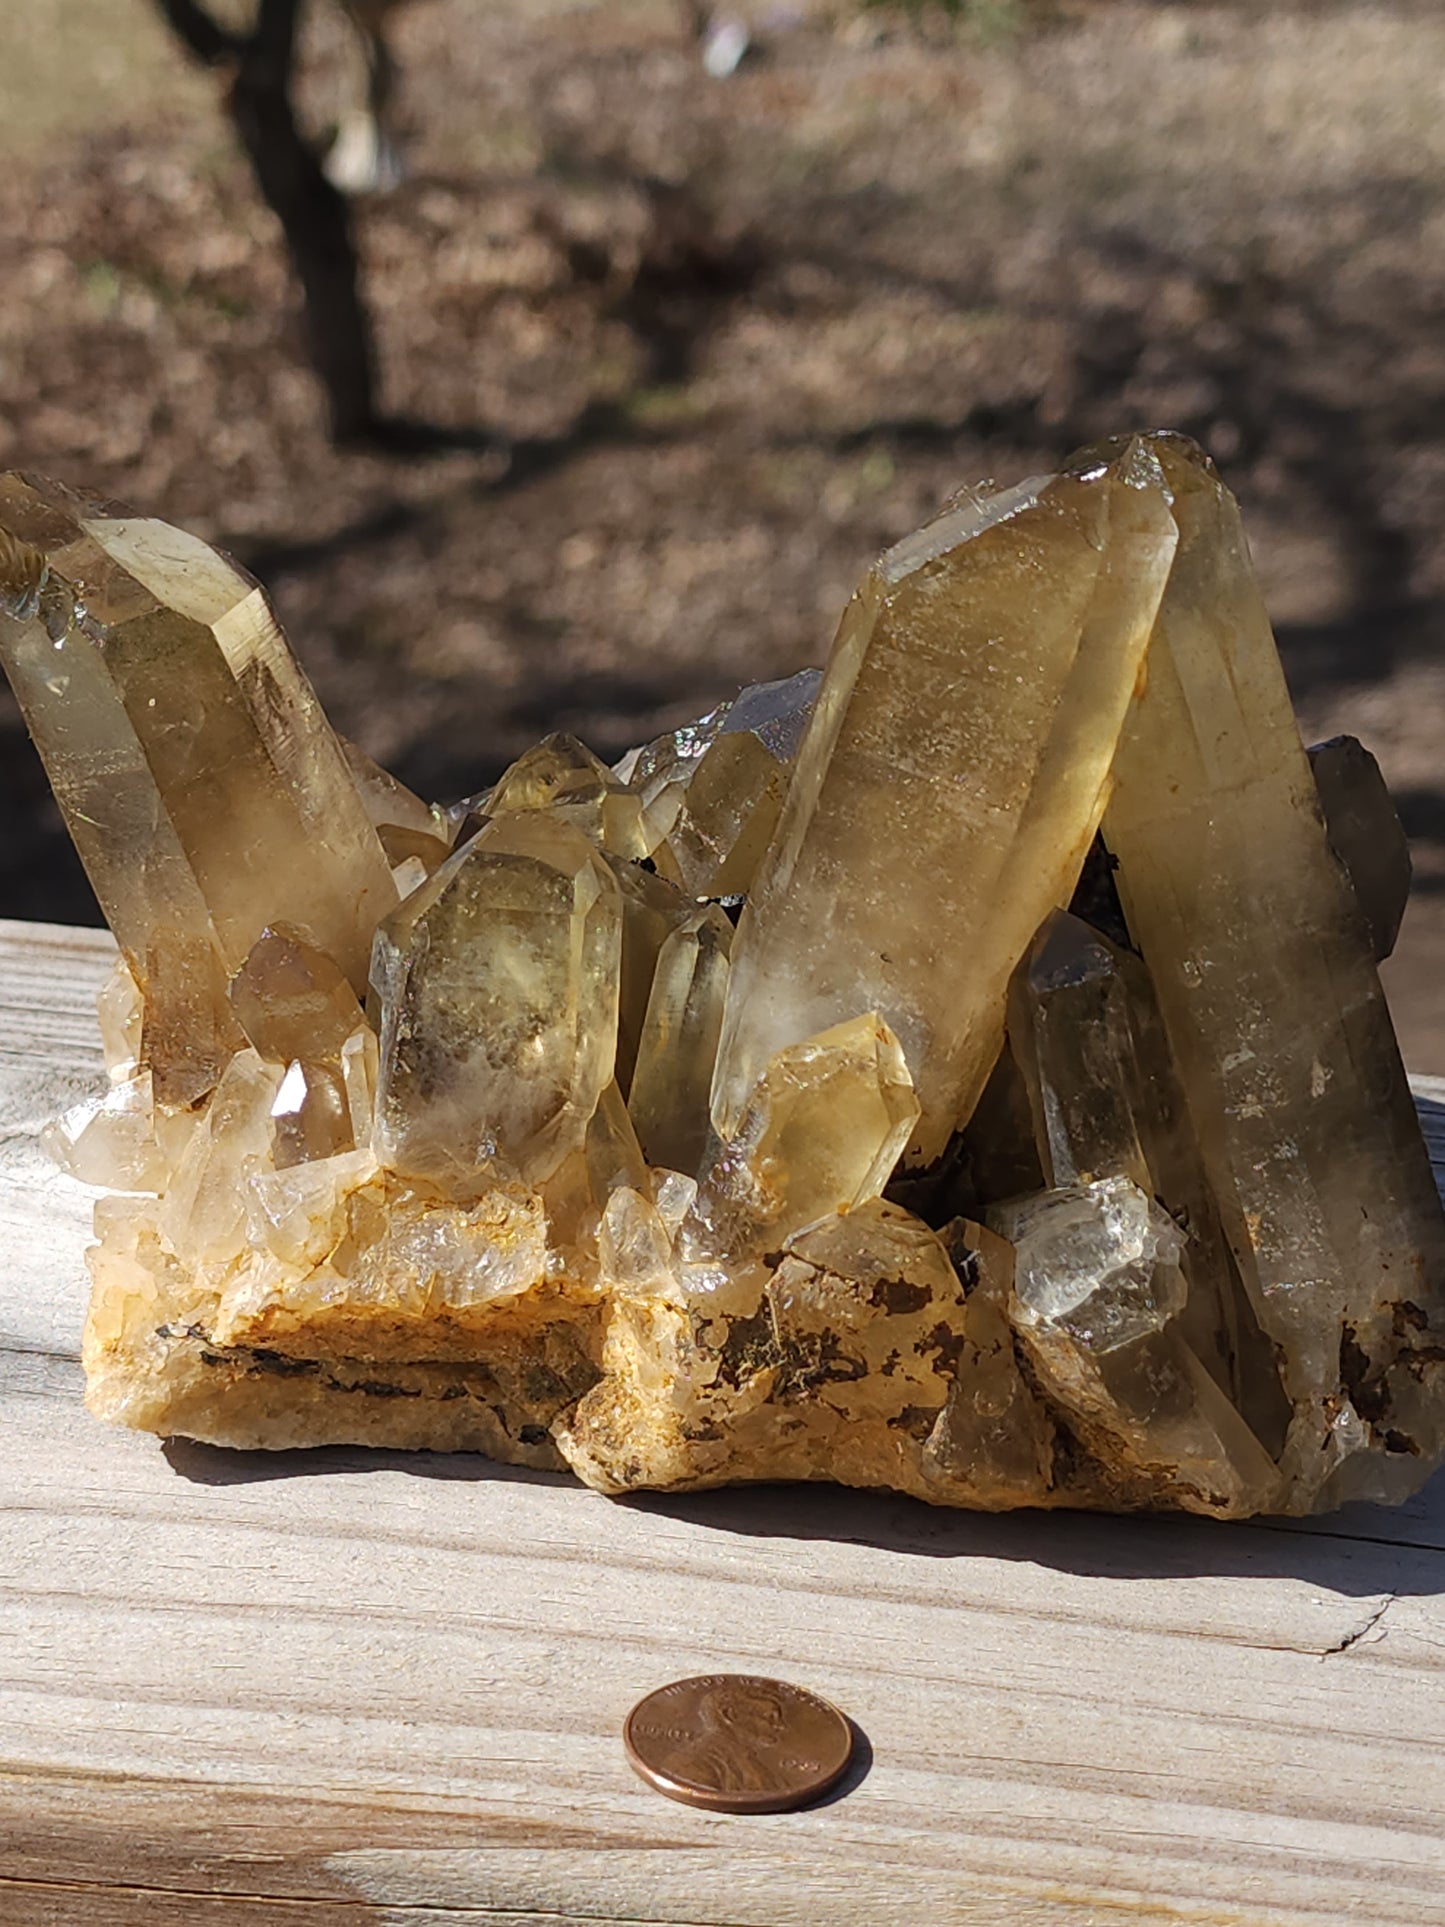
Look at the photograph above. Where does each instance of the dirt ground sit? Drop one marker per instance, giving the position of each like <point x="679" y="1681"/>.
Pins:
<point x="726" y="339"/>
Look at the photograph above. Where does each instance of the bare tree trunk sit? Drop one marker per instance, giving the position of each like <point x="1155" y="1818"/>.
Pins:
<point x="314" y="216"/>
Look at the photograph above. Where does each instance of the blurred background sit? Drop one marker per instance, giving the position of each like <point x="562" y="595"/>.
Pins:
<point x="668" y="320"/>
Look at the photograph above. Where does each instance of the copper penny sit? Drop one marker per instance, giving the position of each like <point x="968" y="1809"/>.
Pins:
<point x="738" y="1743"/>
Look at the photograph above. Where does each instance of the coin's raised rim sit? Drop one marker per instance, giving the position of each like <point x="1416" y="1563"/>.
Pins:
<point x="750" y="1800"/>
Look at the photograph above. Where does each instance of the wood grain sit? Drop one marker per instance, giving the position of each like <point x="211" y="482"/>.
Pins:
<point x="341" y="1686"/>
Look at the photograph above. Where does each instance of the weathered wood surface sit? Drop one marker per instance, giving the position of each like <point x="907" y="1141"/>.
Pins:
<point x="341" y="1686"/>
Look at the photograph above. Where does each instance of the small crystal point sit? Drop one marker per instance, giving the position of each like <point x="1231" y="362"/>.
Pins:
<point x="914" y="810"/>
<point x="652" y="909"/>
<point x="111" y="1140"/>
<point x="563" y="776"/>
<point x="613" y="1155"/>
<point x="310" y="1115"/>
<point x="407" y="827"/>
<point x="714" y="789"/>
<point x="821" y="1134"/>
<point x="120" y="1009"/>
<point x="291" y="1000"/>
<point x="678" y="1045"/>
<point x="1097" y="1261"/>
<point x="1366" y="835"/>
<point x="497" y="989"/>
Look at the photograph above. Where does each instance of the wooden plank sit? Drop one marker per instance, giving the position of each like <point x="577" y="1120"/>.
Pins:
<point x="345" y="1686"/>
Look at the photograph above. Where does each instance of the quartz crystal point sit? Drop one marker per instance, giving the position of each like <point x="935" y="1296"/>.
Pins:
<point x="652" y="909"/>
<point x="714" y="789"/>
<point x="951" y="779"/>
<point x="821" y="1134"/>
<point x="410" y="831"/>
<point x="1085" y="1026"/>
<point x="678" y="1046"/>
<point x="562" y="776"/>
<point x="1276" y="1020"/>
<point x="291" y="1000"/>
<point x="203" y="787"/>
<point x="1365" y="834"/>
<point x="1096" y="1301"/>
<point x="497" y="988"/>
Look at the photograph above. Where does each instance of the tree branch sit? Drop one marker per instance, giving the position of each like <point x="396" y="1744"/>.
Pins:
<point x="204" y="38"/>
<point x="273" y="39"/>
<point x="315" y="219"/>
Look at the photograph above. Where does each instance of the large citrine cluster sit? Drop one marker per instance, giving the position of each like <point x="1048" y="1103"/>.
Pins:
<point x="963" y="1072"/>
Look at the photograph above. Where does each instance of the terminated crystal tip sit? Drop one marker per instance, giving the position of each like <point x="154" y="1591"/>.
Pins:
<point x="22" y="575"/>
<point x="963" y="1071"/>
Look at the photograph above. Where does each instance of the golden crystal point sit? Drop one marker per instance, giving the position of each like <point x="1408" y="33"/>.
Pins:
<point x="950" y="780"/>
<point x="652" y="909"/>
<point x="406" y="827"/>
<point x="1274" y="1011"/>
<point x="714" y="790"/>
<point x="292" y="1001"/>
<point x="497" y="985"/>
<point x="203" y="787"/>
<point x="822" y="1132"/>
<point x="678" y="1043"/>
<point x="558" y="766"/>
<point x="562" y="776"/>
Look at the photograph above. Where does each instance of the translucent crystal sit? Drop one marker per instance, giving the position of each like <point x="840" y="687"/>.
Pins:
<point x="111" y="1140"/>
<point x="297" y="1215"/>
<point x="1365" y="834"/>
<point x="409" y="830"/>
<point x="821" y="1134"/>
<point x="714" y="790"/>
<point x="203" y="787"/>
<point x="360" y="1065"/>
<point x="120" y="1009"/>
<point x="950" y="779"/>
<point x="652" y="909"/>
<point x="635" y="1247"/>
<point x="562" y="776"/>
<point x="1084" y="1025"/>
<point x="291" y="1000"/>
<point x="1096" y="1290"/>
<point x="1267" y="984"/>
<point x="1097" y="1261"/>
<point x="203" y="1216"/>
<point x="614" y="1157"/>
<point x="310" y="1115"/>
<point x="717" y="808"/>
<point x="497" y="990"/>
<point x="678" y="1046"/>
